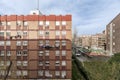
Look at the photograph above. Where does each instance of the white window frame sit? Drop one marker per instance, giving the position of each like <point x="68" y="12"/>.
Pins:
<point x="63" y="32"/>
<point x="2" y="43"/>
<point x="25" y="43"/>
<point x="18" y="73"/>
<point x="57" y="63"/>
<point x="47" y="53"/>
<point x="63" y="63"/>
<point x="18" y="43"/>
<point x="2" y="33"/>
<point x="19" y="63"/>
<point x="40" y="72"/>
<point x="57" y="73"/>
<point x="64" y="42"/>
<point x="2" y="53"/>
<point x="40" y="53"/>
<point x="18" y="53"/>
<point x="25" y="33"/>
<point x="47" y="33"/>
<point x="8" y="53"/>
<point x="64" y="23"/>
<point x="18" y="23"/>
<point x="25" y="23"/>
<point x="41" y="32"/>
<point x="57" y="43"/>
<point x="63" y="74"/>
<point x="63" y="53"/>
<point x="57" y="33"/>
<point x="8" y="43"/>
<point x="40" y="23"/>
<point x="24" y="72"/>
<point x="2" y="63"/>
<point x="57" y="53"/>
<point x="47" y="23"/>
<point x="57" y="23"/>
<point x="25" y="63"/>
<point x="40" y="63"/>
<point x="8" y="23"/>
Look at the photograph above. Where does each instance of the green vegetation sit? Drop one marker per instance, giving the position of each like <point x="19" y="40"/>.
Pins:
<point x="99" y="70"/>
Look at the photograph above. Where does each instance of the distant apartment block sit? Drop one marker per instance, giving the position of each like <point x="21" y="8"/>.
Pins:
<point x="85" y="41"/>
<point x="35" y="47"/>
<point x="93" y="41"/>
<point x="113" y="35"/>
<point x="98" y="41"/>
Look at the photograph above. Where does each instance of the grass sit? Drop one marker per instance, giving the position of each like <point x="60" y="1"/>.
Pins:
<point x="100" y="70"/>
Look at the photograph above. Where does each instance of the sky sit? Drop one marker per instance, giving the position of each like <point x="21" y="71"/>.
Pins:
<point x="88" y="16"/>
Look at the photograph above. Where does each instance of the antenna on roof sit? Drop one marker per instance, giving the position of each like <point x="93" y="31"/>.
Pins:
<point x="38" y="5"/>
<point x="37" y="11"/>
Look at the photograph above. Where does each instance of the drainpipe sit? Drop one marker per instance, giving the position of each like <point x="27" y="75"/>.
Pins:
<point x="111" y="39"/>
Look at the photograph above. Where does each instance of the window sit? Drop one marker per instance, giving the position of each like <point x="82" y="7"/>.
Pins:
<point x="25" y="33"/>
<point x="25" y="53"/>
<point x="25" y="23"/>
<point x="47" y="53"/>
<point x="40" y="43"/>
<point x="19" y="32"/>
<point x="57" y="63"/>
<point x="2" y="24"/>
<point x="2" y="53"/>
<point x="57" y="73"/>
<point x="40" y="72"/>
<point x="18" y="43"/>
<point x="47" y="23"/>
<point x="2" y="72"/>
<point x="18" y="23"/>
<point x="8" y="43"/>
<point x="7" y="33"/>
<point x="63" y="32"/>
<point x="63" y="74"/>
<point x="19" y="53"/>
<point x="57" y="43"/>
<point x="57" y="33"/>
<point x="57" y="53"/>
<point x="57" y="23"/>
<point x="25" y="63"/>
<point x="41" y="32"/>
<point x="40" y="23"/>
<point x="1" y="43"/>
<point x="40" y="63"/>
<point x="63" y="63"/>
<point x="63" y="43"/>
<point x="8" y="63"/>
<point x="46" y="33"/>
<point x="25" y="73"/>
<point x="64" y="23"/>
<point x="8" y="53"/>
<point x="1" y="63"/>
<point x="8" y="23"/>
<point x="19" y="63"/>
<point x="47" y="42"/>
<point x="25" y="43"/>
<point x="2" y="34"/>
<point x="63" y="53"/>
<point x="47" y="63"/>
<point x="40" y="53"/>
<point x="18" y="73"/>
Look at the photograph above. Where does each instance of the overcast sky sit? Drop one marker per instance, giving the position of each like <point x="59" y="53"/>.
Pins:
<point x="88" y="16"/>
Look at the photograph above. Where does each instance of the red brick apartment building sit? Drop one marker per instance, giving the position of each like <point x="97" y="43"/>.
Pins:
<point x="113" y="36"/>
<point x="35" y="47"/>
